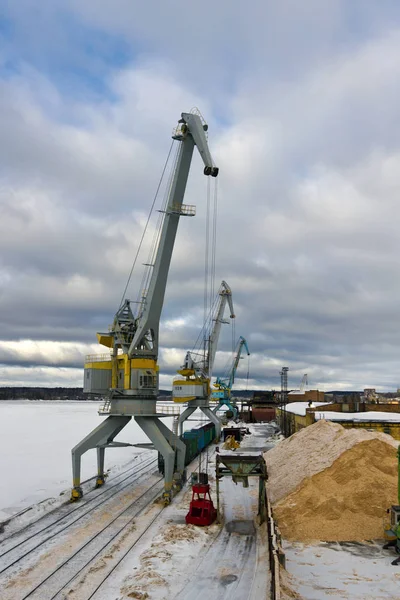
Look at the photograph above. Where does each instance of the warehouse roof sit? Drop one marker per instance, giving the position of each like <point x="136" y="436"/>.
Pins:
<point x="299" y="408"/>
<point x="363" y="416"/>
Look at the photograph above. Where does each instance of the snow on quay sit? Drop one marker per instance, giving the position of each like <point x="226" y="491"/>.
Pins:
<point x="168" y="557"/>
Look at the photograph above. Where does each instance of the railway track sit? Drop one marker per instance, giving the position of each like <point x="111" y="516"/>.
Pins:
<point x="40" y="532"/>
<point x="35" y="541"/>
<point x="61" y="560"/>
<point x="65" y="507"/>
<point x="53" y="586"/>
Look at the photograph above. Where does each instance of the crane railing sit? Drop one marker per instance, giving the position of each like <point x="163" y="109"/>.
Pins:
<point x="183" y="210"/>
<point x="90" y="358"/>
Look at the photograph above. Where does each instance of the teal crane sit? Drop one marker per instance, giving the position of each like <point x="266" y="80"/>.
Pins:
<point x="223" y="386"/>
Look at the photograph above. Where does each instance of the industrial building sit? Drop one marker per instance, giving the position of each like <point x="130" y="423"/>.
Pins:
<point x="262" y="408"/>
<point x="385" y="418"/>
<point x="306" y="396"/>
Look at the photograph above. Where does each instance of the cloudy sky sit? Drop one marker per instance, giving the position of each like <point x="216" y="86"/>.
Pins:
<point x="302" y="102"/>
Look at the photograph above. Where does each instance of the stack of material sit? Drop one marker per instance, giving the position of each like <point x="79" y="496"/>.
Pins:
<point x="330" y="483"/>
<point x="230" y="443"/>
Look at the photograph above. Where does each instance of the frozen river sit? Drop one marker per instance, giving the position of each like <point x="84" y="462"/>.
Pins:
<point x="36" y="439"/>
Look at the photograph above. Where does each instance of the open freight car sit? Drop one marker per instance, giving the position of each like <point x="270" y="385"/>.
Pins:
<point x="195" y="441"/>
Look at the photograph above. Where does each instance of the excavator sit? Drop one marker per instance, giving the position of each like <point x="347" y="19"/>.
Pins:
<point x="193" y="385"/>
<point x="128" y="376"/>
<point x="223" y="386"/>
<point x="392" y="531"/>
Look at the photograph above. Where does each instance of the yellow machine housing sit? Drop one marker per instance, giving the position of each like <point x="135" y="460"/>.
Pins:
<point x="103" y="373"/>
<point x="190" y="388"/>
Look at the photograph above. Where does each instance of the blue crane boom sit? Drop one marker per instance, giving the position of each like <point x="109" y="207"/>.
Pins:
<point x="224" y="385"/>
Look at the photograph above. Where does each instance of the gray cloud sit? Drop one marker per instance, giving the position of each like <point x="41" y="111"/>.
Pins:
<point x="301" y="111"/>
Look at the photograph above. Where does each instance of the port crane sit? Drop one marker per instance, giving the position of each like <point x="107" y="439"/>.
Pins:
<point x="128" y="379"/>
<point x="193" y="386"/>
<point x="223" y="386"/>
<point x="303" y="383"/>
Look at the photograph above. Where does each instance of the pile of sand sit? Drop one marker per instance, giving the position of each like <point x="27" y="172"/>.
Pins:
<point x="330" y="483"/>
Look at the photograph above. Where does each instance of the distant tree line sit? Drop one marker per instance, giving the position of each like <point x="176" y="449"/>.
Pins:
<point x="67" y="393"/>
<point x="41" y="393"/>
<point x="46" y="393"/>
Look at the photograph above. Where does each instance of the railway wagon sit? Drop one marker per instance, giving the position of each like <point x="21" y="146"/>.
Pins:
<point x="195" y="441"/>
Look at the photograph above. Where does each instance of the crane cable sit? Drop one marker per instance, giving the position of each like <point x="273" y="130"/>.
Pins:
<point x="206" y="262"/>
<point x="157" y="232"/>
<point x="209" y="265"/>
<point x="206" y="327"/>
<point x="145" y="228"/>
<point x="233" y="338"/>
<point x="214" y="239"/>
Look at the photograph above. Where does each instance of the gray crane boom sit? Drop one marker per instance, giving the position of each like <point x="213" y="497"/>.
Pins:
<point x="225" y="296"/>
<point x="191" y="133"/>
<point x="193" y="385"/>
<point x="242" y="342"/>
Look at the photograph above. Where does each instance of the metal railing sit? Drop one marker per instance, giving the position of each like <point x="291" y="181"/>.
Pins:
<point x="105" y="408"/>
<point x="168" y="409"/>
<point x="184" y="210"/>
<point x="97" y="357"/>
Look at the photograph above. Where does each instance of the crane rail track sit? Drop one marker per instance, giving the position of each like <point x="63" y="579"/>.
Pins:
<point x="119" y="561"/>
<point x="107" y="535"/>
<point x="94" y="591"/>
<point x="80" y="508"/>
<point x="104" y="549"/>
<point x="89" y="497"/>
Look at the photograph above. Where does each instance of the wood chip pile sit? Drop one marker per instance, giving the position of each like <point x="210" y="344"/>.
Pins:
<point x="332" y="484"/>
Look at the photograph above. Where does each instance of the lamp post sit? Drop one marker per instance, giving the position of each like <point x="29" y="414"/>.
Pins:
<point x="284" y="398"/>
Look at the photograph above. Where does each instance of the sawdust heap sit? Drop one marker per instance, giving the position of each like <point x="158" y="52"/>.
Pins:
<point x="137" y="595"/>
<point x="337" y="487"/>
<point x="174" y="533"/>
<point x="310" y="451"/>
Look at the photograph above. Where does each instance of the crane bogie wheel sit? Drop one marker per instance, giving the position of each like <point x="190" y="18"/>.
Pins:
<point x="76" y="494"/>
<point x="207" y="170"/>
<point x="214" y="171"/>
<point x="166" y="498"/>
<point x="100" y="481"/>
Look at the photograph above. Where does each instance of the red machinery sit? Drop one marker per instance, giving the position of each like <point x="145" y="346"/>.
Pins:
<point x="201" y="510"/>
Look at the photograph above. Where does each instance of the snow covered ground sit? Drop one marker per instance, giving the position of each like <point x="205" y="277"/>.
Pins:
<point x="220" y="562"/>
<point x="343" y="571"/>
<point x="35" y="449"/>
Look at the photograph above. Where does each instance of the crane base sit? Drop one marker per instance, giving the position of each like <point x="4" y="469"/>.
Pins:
<point x="167" y="497"/>
<point x="100" y="480"/>
<point x="76" y="494"/>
